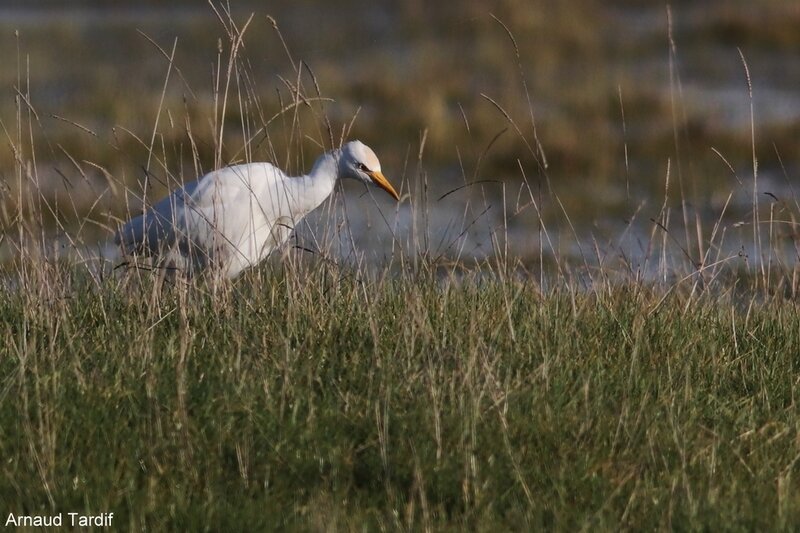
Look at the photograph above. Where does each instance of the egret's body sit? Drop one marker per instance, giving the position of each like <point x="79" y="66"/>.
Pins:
<point x="232" y="218"/>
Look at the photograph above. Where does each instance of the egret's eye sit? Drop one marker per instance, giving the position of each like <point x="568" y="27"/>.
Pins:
<point x="362" y="167"/>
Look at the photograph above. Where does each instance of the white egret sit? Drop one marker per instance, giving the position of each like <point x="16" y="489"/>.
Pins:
<point x="231" y="219"/>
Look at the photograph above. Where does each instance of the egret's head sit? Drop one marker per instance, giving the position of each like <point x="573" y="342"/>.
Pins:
<point x="358" y="161"/>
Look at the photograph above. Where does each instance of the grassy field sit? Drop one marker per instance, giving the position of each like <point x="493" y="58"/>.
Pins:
<point x="304" y="397"/>
<point x="571" y="368"/>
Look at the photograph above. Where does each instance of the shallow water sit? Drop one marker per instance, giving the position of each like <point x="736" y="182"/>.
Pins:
<point x="405" y="69"/>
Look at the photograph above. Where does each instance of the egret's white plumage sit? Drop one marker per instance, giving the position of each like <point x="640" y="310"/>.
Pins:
<point x="232" y="218"/>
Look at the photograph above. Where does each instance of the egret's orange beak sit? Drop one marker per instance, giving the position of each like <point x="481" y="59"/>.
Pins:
<point x="381" y="181"/>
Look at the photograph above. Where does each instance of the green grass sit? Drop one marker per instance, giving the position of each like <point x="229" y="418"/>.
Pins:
<point x="301" y="399"/>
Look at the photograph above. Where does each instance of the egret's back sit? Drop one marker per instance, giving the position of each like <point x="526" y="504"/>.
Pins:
<point x="229" y="220"/>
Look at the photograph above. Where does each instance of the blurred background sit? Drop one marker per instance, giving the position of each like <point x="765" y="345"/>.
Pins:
<point x="577" y="130"/>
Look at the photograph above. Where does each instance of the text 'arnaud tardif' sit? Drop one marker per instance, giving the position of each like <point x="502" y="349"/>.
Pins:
<point x="60" y="519"/>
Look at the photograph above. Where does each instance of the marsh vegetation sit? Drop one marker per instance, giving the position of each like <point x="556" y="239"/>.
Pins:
<point x="582" y="315"/>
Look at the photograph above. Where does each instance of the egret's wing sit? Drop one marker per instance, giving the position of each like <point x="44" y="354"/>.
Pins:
<point x="158" y="226"/>
<point x="233" y="217"/>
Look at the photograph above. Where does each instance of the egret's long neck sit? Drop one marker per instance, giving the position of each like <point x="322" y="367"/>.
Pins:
<point x="318" y="184"/>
